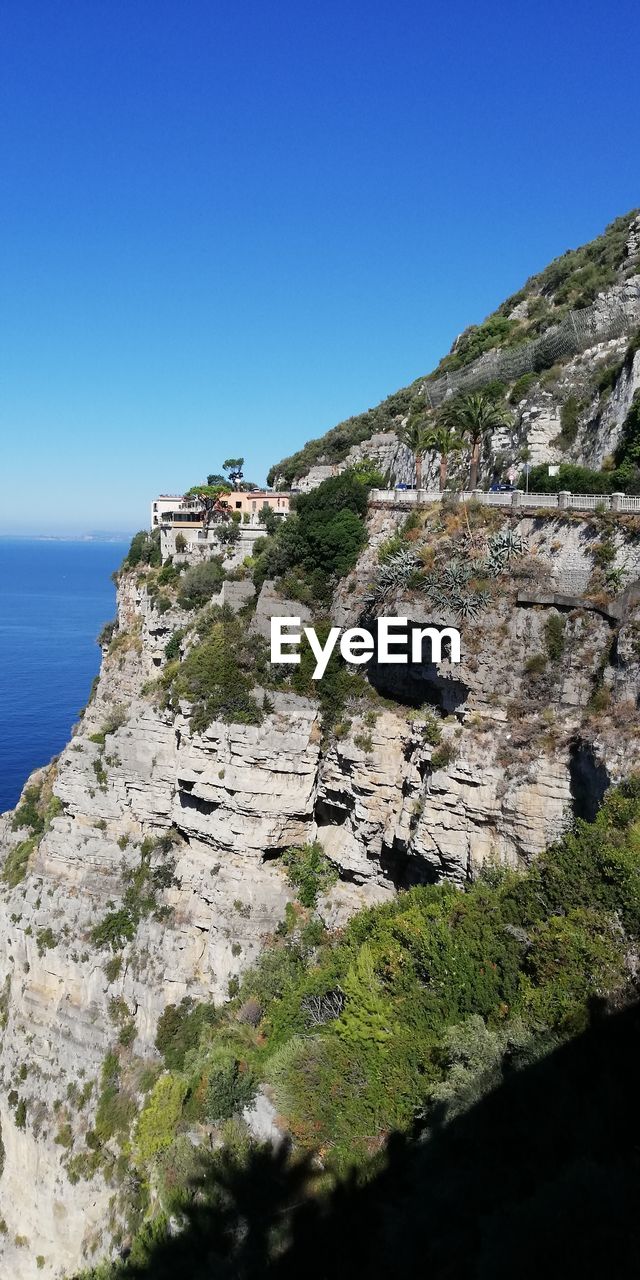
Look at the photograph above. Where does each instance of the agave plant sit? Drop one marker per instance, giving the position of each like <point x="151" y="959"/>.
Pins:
<point x="504" y="546"/>
<point x="395" y="573"/>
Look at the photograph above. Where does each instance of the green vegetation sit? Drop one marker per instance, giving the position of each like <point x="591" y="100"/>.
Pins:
<point x="114" y="721"/>
<point x="144" y="550"/>
<point x="179" y="1029"/>
<point x="554" y="629"/>
<point x="420" y="1008"/>
<point x="216" y="676"/>
<point x="200" y="583"/>
<point x="321" y="541"/>
<point x="28" y="813"/>
<point x="143" y="885"/>
<point x="474" y="418"/>
<point x="172" y="647"/>
<point x="521" y="387"/>
<point x="569" y="422"/>
<point x="159" y="1118"/>
<point x="571" y="281"/>
<point x="578" y="480"/>
<point x="107" y="633"/>
<point x="116" y="1107"/>
<point x="627" y="455"/>
<point x="568" y="283"/>
<point x="17" y="861"/>
<point x="310" y="872"/>
<point x="335" y="445"/>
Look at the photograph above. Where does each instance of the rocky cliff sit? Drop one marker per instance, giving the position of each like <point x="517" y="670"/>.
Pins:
<point x="158" y="871"/>
<point x="146" y="864"/>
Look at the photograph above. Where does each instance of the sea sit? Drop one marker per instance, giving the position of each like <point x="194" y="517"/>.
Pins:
<point x="55" y="596"/>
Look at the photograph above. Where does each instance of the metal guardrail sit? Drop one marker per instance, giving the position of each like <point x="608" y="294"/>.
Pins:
<point x="562" y="501"/>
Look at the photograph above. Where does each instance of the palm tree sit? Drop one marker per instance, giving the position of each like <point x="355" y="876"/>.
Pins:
<point x="442" y="439"/>
<point x="415" y="435"/>
<point x="474" y="416"/>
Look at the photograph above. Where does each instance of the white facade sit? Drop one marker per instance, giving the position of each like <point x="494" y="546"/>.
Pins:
<point x="160" y="506"/>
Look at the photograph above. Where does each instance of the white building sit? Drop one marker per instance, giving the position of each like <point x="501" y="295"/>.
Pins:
<point x="180" y="517"/>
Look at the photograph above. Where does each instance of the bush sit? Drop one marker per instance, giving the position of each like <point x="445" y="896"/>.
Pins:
<point x="179" y="1030"/>
<point x="443" y="755"/>
<point x="520" y="388"/>
<point x="231" y="1087"/>
<point x="200" y="583"/>
<point x="569" y="422"/>
<point x="211" y="678"/>
<point x="159" y="1119"/>
<point x="116" y="1108"/>
<point x="536" y="664"/>
<point x="310" y="872"/>
<point x="268" y="518"/>
<point x="28" y="812"/>
<point x="321" y="541"/>
<point x="172" y="648"/>
<point x="144" y="549"/>
<point x="554" y="629"/>
<point x="107" y="633"/>
<point x="17" y="861"/>
<point x="229" y="534"/>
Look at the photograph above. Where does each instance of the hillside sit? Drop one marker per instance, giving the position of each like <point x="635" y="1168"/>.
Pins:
<point x="274" y="950"/>
<point x="569" y="285"/>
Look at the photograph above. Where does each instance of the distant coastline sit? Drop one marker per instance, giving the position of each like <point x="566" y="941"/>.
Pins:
<point x="118" y="536"/>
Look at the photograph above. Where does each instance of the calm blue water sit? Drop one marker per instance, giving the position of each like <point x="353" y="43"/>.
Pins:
<point x="54" y="598"/>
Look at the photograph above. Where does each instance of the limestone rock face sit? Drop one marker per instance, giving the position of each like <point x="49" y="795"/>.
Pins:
<point x="390" y="804"/>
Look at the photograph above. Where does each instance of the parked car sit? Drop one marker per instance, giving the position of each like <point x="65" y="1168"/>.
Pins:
<point x="499" y="487"/>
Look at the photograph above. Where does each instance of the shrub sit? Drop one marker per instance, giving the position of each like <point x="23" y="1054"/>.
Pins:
<point x="159" y="1119"/>
<point x="181" y="543"/>
<point x="604" y="553"/>
<point x="117" y="928"/>
<point x="231" y="1087"/>
<point x="107" y="633"/>
<point x="554" y="629"/>
<point x="443" y="755"/>
<point x="28" y="812"/>
<point x="210" y="676"/>
<point x="45" y="939"/>
<point x="200" y="583"/>
<point x="144" y="549"/>
<point x="309" y="872"/>
<point x="520" y="388"/>
<point x="179" y="1029"/>
<point x="321" y="541"/>
<point x="228" y="535"/>
<point x="268" y="518"/>
<point x="172" y="648"/>
<point x="112" y="968"/>
<point x="569" y="422"/>
<point x="536" y="664"/>
<point x="115" y="1108"/>
<point x="17" y="861"/>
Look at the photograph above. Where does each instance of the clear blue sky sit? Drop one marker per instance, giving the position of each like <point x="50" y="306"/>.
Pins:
<point x="226" y="226"/>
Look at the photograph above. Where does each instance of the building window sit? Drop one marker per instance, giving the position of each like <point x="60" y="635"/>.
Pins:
<point x="238" y="504"/>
